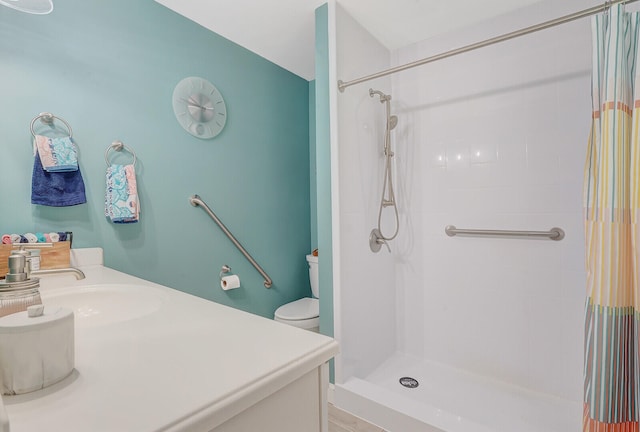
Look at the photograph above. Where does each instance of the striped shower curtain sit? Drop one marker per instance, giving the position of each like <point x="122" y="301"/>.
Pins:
<point x="612" y="201"/>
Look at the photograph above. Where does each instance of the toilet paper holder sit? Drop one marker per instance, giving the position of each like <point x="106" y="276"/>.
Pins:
<point x="225" y="269"/>
<point x="230" y="281"/>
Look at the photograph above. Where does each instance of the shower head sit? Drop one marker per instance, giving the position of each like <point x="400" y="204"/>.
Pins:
<point x="393" y="122"/>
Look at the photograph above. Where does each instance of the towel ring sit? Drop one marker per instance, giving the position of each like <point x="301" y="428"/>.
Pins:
<point x="119" y="146"/>
<point x="48" y="118"/>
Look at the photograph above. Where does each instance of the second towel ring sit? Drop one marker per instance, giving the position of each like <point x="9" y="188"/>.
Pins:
<point x="118" y="146"/>
<point x="48" y="118"/>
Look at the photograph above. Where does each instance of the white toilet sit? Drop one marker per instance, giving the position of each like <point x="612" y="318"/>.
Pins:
<point x="303" y="313"/>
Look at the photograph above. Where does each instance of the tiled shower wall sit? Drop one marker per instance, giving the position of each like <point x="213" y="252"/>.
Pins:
<point x="491" y="139"/>
<point x="365" y="311"/>
<point x="495" y="139"/>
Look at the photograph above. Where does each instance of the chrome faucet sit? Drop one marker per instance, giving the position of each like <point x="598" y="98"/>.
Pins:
<point x="20" y="268"/>
<point x="20" y="288"/>
<point x="79" y="274"/>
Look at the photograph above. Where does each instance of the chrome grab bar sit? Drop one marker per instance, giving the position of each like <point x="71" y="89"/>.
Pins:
<point x="197" y="201"/>
<point x="554" y="233"/>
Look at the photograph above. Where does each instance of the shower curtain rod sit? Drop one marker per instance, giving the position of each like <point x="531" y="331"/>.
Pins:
<point x="542" y="26"/>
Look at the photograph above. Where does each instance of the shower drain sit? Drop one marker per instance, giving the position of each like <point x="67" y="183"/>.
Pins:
<point x="409" y="382"/>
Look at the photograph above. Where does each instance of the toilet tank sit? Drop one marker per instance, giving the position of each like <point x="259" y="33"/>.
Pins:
<point x="313" y="275"/>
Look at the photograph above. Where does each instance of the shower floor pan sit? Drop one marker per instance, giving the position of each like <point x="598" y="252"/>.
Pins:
<point x="451" y="400"/>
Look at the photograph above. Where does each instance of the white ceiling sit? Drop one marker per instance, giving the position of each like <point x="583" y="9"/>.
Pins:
<point x="282" y="31"/>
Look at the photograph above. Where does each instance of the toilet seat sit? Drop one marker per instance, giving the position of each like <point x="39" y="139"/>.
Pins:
<point x="304" y="309"/>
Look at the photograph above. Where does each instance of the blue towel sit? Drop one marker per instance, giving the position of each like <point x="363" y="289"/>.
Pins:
<point x="56" y="189"/>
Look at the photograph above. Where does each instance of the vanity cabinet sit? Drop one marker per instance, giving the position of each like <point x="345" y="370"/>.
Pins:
<point x="150" y="358"/>
<point x="300" y="406"/>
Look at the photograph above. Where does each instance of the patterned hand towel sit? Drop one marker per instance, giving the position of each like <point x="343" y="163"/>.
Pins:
<point x="65" y="154"/>
<point x="57" y="154"/>
<point x="43" y="149"/>
<point x="121" y="197"/>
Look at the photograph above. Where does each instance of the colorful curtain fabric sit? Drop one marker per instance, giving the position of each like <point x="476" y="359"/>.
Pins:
<point x="612" y="201"/>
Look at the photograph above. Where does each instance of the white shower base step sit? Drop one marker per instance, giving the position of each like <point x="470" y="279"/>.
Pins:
<point x="452" y="400"/>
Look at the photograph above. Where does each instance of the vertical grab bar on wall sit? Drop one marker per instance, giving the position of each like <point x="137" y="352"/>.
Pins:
<point x="197" y="201"/>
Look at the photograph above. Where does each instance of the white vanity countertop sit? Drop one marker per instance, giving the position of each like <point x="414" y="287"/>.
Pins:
<point x="190" y="365"/>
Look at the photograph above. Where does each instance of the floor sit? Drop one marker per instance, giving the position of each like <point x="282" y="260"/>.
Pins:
<point x="342" y="421"/>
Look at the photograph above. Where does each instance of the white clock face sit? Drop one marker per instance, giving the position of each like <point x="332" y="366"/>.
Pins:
<point x="199" y="107"/>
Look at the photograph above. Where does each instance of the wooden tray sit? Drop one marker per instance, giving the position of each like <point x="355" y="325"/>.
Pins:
<point x="54" y="257"/>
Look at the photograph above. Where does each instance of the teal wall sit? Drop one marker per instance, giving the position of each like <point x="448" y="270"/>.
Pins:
<point x="109" y="68"/>
<point x="313" y="187"/>
<point x="323" y="170"/>
<point x="323" y="174"/>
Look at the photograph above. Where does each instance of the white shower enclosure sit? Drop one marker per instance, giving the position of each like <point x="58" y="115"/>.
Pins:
<point x="491" y="328"/>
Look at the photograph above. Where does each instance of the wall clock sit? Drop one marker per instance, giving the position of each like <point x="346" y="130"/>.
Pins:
<point x="199" y="107"/>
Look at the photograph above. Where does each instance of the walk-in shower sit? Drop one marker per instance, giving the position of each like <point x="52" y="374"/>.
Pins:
<point x="463" y="333"/>
<point x="388" y="198"/>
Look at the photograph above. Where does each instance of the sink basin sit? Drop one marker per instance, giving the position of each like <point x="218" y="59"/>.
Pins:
<point x="96" y="305"/>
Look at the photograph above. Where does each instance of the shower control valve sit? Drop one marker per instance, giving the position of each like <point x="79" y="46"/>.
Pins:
<point x="376" y="240"/>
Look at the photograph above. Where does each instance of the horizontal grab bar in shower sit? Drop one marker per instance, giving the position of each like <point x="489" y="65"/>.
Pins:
<point x="553" y="234"/>
<point x="197" y="201"/>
